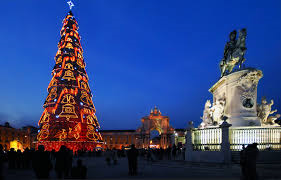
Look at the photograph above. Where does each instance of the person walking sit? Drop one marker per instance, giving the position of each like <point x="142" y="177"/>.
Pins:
<point x="132" y="160"/>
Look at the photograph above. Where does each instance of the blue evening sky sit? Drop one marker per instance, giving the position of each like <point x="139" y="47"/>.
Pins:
<point x="139" y="53"/>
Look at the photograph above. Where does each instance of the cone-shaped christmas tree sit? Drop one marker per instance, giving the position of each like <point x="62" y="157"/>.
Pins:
<point x="69" y="117"/>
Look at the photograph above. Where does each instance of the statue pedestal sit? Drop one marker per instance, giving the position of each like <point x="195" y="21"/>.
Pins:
<point x="239" y="92"/>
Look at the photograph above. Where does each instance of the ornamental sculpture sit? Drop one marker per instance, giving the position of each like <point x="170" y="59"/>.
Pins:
<point x="247" y="87"/>
<point x="212" y="114"/>
<point x="264" y="110"/>
<point x="207" y="115"/>
<point x="234" y="52"/>
<point x="218" y="110"/>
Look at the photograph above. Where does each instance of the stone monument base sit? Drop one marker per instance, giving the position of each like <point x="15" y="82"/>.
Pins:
<point x="237" y="92"/>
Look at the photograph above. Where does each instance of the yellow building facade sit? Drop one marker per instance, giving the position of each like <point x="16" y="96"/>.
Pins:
<point x="17" y="138"/>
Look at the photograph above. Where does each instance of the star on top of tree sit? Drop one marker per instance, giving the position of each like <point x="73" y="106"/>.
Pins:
<point x="70" y="3"/>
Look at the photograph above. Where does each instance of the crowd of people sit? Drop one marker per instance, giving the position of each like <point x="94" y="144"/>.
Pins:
<point x="171" y="153"/>
<point x="150" y="154"/>
<point x="41" y="161"/>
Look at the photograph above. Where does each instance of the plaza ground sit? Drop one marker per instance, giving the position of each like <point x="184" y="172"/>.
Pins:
<point x="98" y="169"/>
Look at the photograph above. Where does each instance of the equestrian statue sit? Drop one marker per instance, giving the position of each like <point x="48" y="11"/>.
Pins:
<point x="234" y="52"/>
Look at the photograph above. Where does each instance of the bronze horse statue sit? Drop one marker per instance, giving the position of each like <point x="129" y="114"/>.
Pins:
<point x="234" y="52"/>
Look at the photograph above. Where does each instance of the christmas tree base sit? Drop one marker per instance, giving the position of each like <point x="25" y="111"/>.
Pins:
<point x="72" y="145"/>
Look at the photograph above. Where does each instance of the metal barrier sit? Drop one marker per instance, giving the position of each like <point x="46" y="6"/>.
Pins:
<point x="265" y="137"/>
<point x="210" y="139"/>
<point x="207" y="139"/>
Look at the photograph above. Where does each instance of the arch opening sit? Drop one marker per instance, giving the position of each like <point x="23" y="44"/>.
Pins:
<point x="155" y="137"/>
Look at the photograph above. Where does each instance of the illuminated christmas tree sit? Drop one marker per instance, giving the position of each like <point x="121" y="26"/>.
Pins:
<point x="69" y="117"/>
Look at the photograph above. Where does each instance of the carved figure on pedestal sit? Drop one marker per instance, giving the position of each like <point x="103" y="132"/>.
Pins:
<point x="207" y="115"/>
<point x="217" y="111"/>
<point x="212" y="114"/>
<point x="271" y="119"/>
<point x="234" y="52"/>
<point x="264" y="110"/>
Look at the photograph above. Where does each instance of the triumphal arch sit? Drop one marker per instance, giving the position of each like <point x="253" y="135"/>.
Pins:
<point x="154" y="122"/>
<point x="143" y="137"/>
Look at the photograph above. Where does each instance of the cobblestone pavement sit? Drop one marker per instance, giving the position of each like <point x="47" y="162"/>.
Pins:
<point x="98" y="169"/>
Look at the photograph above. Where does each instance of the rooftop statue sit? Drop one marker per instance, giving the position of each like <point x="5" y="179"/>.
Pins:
<point x="234" y="52"/>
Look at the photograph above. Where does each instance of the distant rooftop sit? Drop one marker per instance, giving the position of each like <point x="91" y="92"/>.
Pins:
<point x="7" y="125"/>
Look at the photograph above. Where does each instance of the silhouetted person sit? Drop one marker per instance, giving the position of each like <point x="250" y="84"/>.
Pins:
<point x="161" y="153"/>
<point x="169" y="153"/>
<point x="183" y="153"/>
<point x="61" y="162"/>
<point x="41" y="163"/>
<point x="149" y="155"/>
<point x="2" y="159"/>
<point x="53" y="154"/>
<point x="243" y="162"/>
<point x="26" y="158"/>
<point x="68" y="162"/>
<point x="251" y="160"/>
<point x="19" y="159"/>
<point x="174" y="151"/>
<point x="132" y="160"/>
<point x="114" y="156"/>
<point x="108" y="156"/>
<point x="12" y="158"/>
<point x="79" y="171"/>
